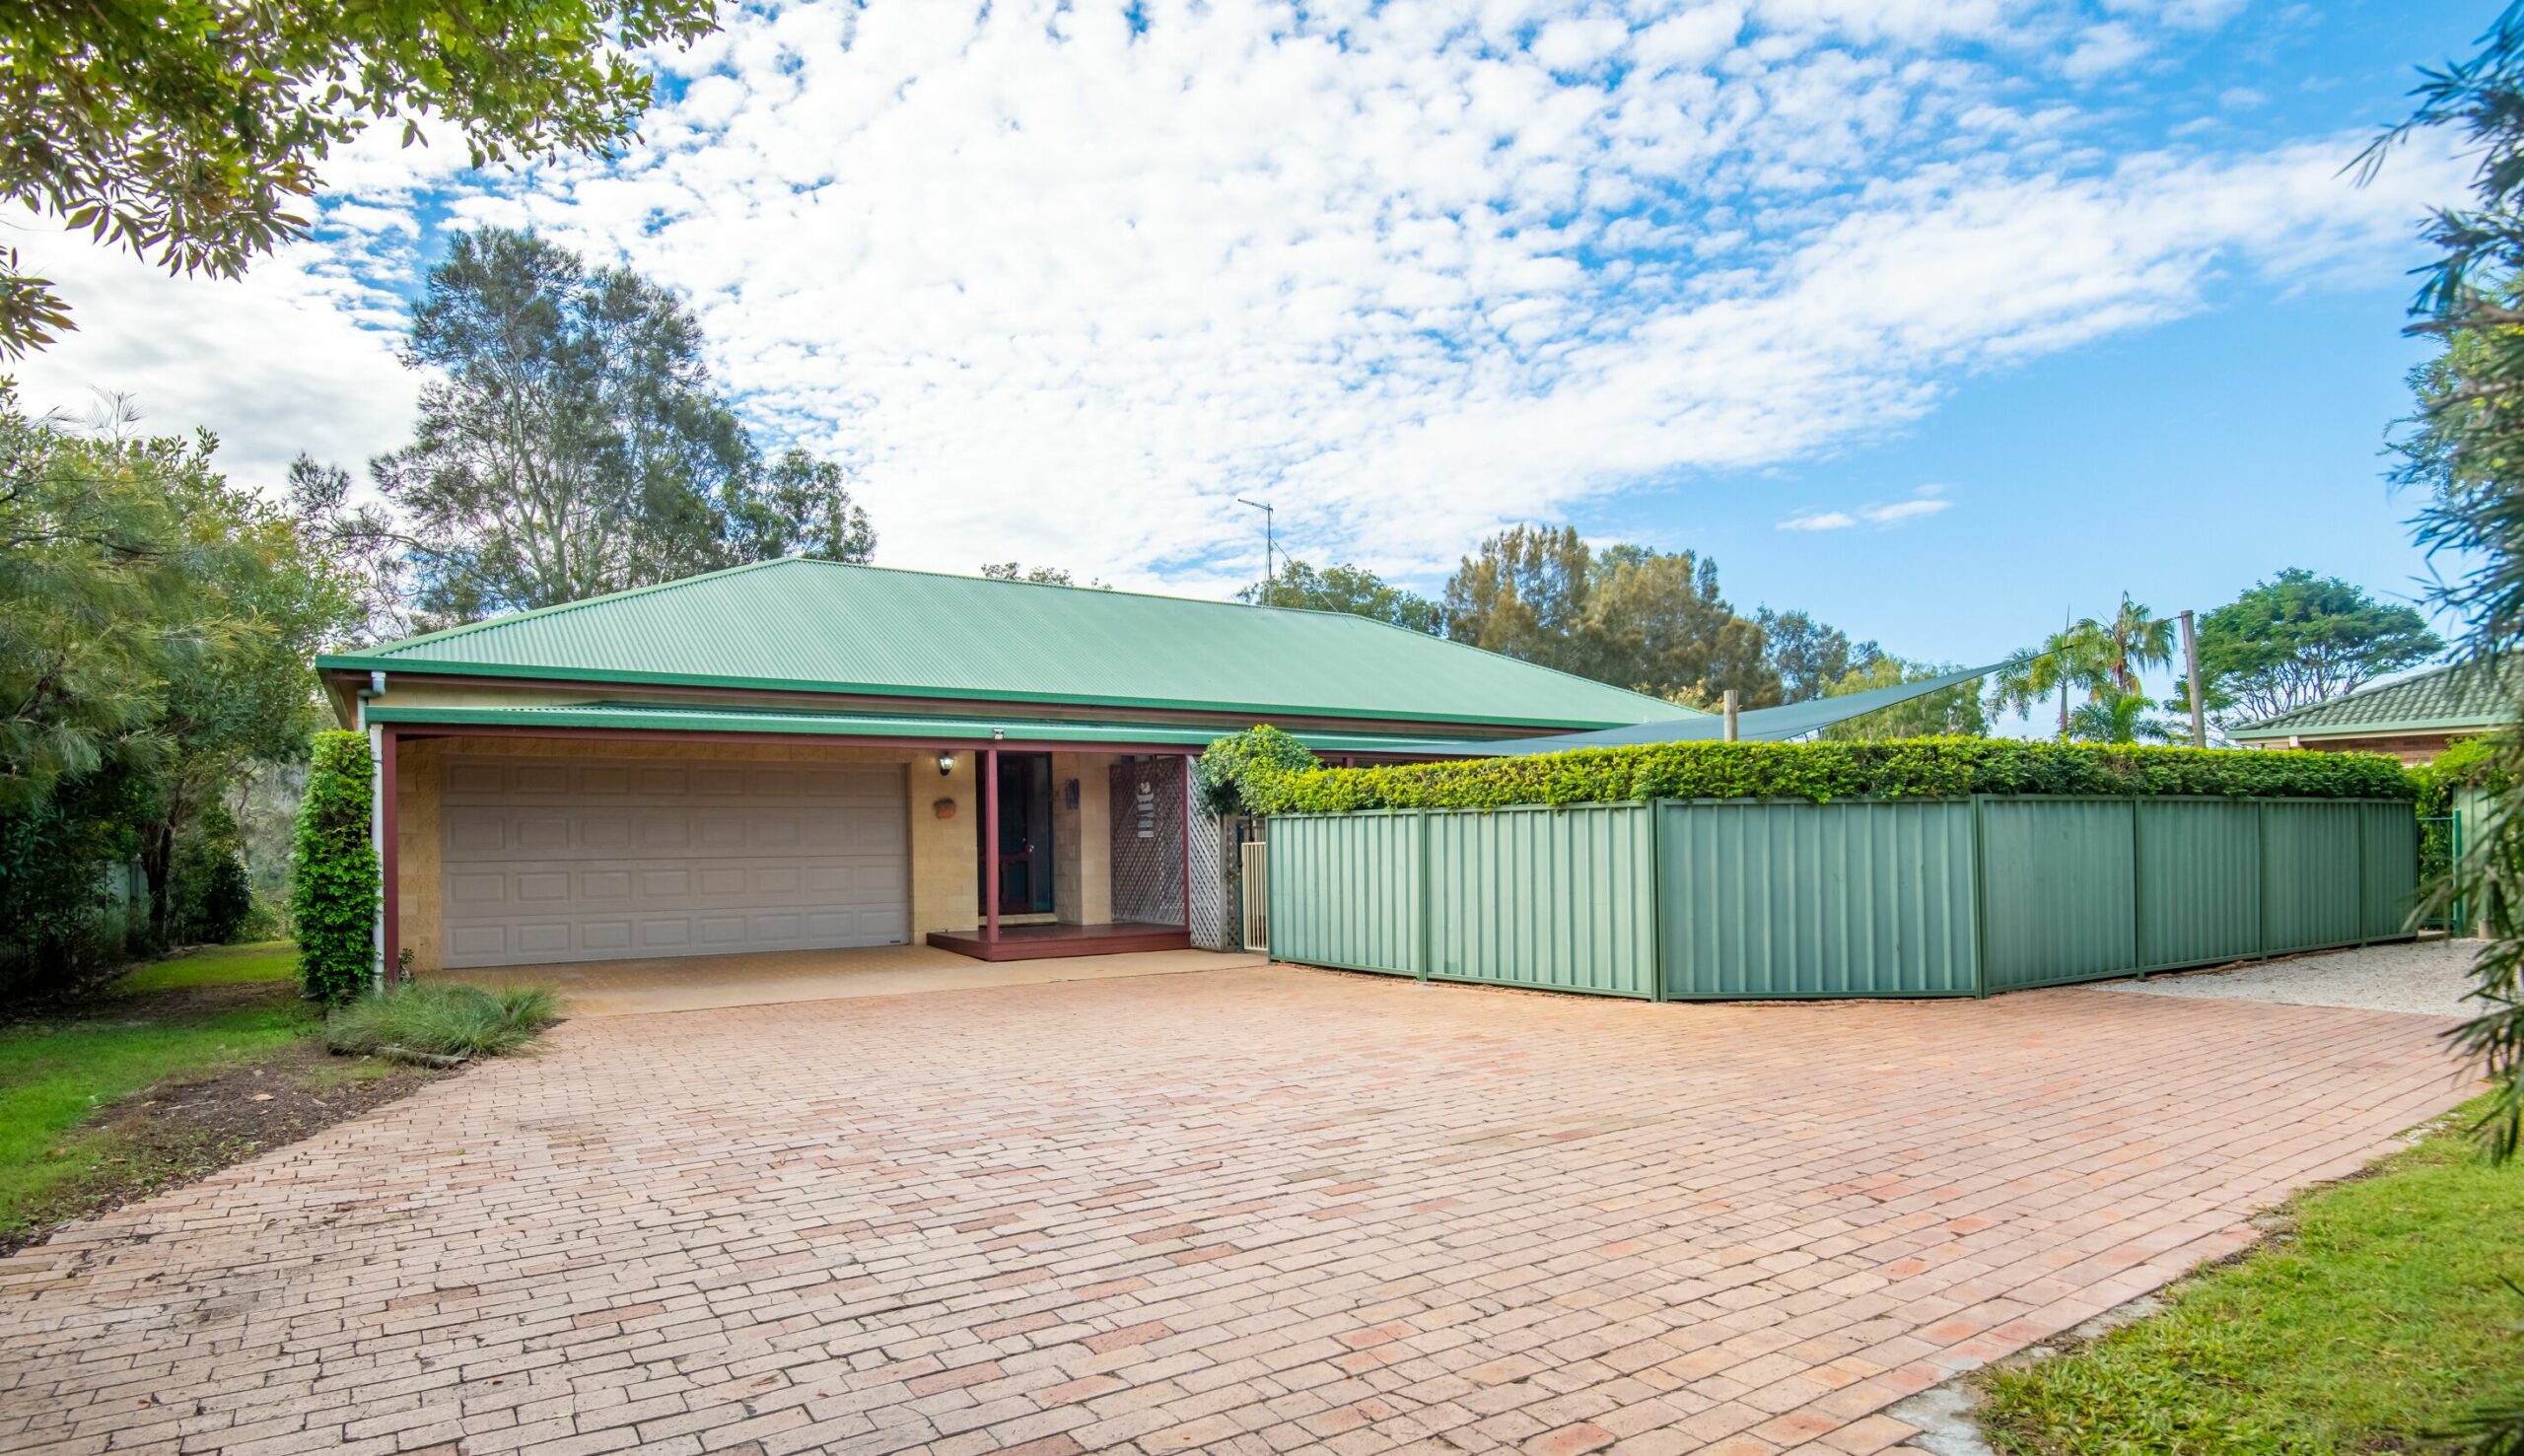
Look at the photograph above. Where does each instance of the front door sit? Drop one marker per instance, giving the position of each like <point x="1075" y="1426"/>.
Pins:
<point x="1025" y="835"/>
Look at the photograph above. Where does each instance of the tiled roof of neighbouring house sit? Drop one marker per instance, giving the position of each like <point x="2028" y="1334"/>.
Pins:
<point x="822" y="626"/>
<point x="2461" y="695"/>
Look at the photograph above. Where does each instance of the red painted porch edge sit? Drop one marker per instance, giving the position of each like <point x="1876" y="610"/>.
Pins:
<point x="988" y="790"/>
<point x="390" y="854"/>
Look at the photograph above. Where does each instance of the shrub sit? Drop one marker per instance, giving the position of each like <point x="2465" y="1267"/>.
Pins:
<point x="447" y="1020"/>
<point x="333" y="876"/>
<point x="1909" y="767"/>
<point x="1231" y="769"/>
<point x="220" y="901"/>
<point x="2470" y="763"/>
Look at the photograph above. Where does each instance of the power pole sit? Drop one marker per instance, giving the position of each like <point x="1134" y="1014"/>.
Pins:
<point x="1268" y="544"/>
<point x="1727" y="706"/>
<point x="2191" y="671"/>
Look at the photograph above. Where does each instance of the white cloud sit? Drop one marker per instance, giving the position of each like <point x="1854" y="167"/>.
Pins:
<point x="1927" y="500"/>
<point x="292" y="357"/>
<point x="1064" y="289"/>
<point x="1820" y="520"/>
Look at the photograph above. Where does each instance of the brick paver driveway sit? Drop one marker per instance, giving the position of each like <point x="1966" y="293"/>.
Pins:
<point x="1258" y="1210"/>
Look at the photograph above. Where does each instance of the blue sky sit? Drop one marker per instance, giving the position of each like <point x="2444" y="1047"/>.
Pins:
<point x="1933" y="317"/>
<point x="2179" y="462"/>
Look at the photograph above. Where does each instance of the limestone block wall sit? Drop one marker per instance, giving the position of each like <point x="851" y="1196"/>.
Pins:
<point x="1082" y="844"/>
<point x="942" y="868"/>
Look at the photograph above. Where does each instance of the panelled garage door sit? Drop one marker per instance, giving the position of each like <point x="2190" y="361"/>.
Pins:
<point x="549" y="861"/>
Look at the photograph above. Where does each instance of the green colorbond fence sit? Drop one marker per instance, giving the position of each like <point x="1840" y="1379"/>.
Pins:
<point x="1756" y="899"/>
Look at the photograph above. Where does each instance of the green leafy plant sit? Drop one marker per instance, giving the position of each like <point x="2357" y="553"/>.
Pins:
<point x="2470" y="763"/>
<point x="195" y="132"/>
<point x="334" y="882"/>
<point x="1908" y="768"/>
<point x="1233" y="770"/>
<point x="447" y="1020"/>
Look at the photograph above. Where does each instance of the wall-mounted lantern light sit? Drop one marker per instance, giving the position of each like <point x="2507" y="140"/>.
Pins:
<point x="945" y="764"/>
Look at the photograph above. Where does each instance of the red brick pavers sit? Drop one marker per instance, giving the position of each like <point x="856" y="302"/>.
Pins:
<point x="1259" y="1210"/>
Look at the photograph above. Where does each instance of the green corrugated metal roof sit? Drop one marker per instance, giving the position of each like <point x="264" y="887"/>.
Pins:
<point x="822" y="626"/>
<point x="977" y="731"/>
<point x="2463" y="695"/>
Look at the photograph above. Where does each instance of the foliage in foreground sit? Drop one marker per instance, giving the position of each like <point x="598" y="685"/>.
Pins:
<point x="1913" y="768"/>
<point x="2468" y="452"/>
<point x="195" y="131"/>
<point x="449" y="1020"/>
<point x="334" y="877"/>
<point x="2377" y="1321"/>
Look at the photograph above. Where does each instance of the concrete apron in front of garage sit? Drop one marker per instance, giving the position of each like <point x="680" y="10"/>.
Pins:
<point x="692" y="983"/>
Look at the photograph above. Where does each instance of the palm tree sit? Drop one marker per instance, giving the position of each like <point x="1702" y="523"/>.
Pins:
<point x="2103" y="658"/>
<point x="2119" y="718"/>
<point x="2066" y="660"/>
<point x="2131" y="642"/>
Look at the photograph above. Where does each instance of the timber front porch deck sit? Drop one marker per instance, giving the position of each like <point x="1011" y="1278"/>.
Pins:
<point x="1049" y="941"/>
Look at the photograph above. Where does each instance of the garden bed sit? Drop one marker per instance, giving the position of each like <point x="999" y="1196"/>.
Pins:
<point x="181" y="1069"/>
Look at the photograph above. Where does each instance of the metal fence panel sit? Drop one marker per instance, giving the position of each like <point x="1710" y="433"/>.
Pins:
<point x="2199" y="881"/>
<point x="1555" y="899"/>
<point x="1816" y="900"/>
<point x="2058" y="890"/>
<point x="2312" y="891"/>
<point x="2388" y="841"/>
<point x="1784" y="899"/>
<point x="1345" y="892"/>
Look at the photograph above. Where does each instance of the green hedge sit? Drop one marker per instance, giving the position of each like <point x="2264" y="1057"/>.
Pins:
<point x="1911" y="768"/>
<point x="1230" y="768"/>
<point x="333" y="872"/>
<point x="2470" y="763"/>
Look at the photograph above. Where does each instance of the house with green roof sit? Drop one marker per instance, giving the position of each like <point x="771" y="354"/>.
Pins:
<point x="806" y="754"/>
<point x="2412" y="717"/>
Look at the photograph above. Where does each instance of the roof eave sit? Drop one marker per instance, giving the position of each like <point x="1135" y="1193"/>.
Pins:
<point x="2273" y="732"/>
<point x="363" y="663"/>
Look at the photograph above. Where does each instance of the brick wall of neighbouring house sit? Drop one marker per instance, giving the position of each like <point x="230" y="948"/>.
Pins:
<point x="945" y="878"/>
<point x="1147" y="808"/>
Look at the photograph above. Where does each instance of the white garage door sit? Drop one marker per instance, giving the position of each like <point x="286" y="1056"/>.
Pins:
<point x="548" y="861"/>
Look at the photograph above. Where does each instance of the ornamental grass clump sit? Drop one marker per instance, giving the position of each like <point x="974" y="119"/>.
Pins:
<point x="443" y="1021"/>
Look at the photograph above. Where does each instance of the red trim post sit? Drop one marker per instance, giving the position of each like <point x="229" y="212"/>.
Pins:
<point x="389" y="857"/>
<point x="989" y="844"/>
<point x="1187" y="842"/>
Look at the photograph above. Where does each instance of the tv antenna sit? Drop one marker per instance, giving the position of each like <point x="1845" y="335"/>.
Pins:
<point x="1269" y="543"/>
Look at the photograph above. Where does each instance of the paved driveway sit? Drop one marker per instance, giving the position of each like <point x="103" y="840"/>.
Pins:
<point x="1258" y="1210"/>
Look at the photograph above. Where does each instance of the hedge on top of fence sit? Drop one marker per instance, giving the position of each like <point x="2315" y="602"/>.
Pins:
<point x="1912" y="768"/>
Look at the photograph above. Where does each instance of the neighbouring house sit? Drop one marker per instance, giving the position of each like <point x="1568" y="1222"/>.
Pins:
<point x="2410" y="718"/>
<point x="803" y="754"/>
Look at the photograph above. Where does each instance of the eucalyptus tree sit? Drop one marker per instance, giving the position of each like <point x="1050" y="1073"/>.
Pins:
<point x="1626" y="614"/>
<point x="572" y="442"/>
<point x="1352" y="590"/>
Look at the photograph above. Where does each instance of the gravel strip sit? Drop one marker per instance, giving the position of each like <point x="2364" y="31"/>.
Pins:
<point x="2428" y="977"/>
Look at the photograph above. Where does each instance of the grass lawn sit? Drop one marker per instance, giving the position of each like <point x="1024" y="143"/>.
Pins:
<point x="2374" y="1321"/>
<point x="220" y="965"/>
<point x="55" y="1074"/>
